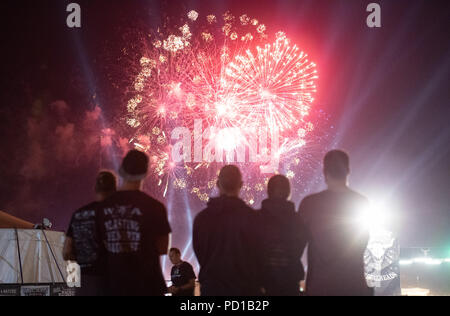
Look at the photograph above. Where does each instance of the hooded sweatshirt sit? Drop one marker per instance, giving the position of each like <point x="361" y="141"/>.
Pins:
<point x="282" y="244"/>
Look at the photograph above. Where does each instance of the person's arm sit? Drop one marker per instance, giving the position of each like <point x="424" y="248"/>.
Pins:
<point x="68" y="251"/>
<point x="196" y="240"/>
<point x="163" y="236"/>
<point x="163" y="244"/>
<point x="304" y="235"/>
<point x="188" y="286"/>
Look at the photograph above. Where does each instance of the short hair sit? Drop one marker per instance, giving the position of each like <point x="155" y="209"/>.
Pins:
<point x="176" y="250"/>
<point x="106" y="182"/>
<point x="279" y="187"/>
<point x="230" y="178"/>
<point x="337" y="164"/>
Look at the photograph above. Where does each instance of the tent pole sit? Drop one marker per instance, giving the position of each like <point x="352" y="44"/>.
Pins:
<point x="18" y="252"/>
<point x="53" y="255"/>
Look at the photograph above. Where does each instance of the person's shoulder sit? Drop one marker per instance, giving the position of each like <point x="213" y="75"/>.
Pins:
<point x="250" y="211"/>
<point x="240" y="205"/>
<point x="116" y="196"/>
<point x="201" y="215"/>
<point x="207" y="215"/>
<point x="142" y="199"/>
<point x="358" y="196"/>
<point x="91" y="207"/>
<point x="85" y="212"/>
<point x="245" y="213"/>
<point x="187" y="265"/>
<point x="314" y="197"/>
<point x="151" y="200"/>
<point x="210" y="206"/>
<point x="310" y="202"/>
<point x="110" y="201"/>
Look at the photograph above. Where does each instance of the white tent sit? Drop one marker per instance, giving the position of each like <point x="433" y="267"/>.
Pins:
<point x="31" y="257"/>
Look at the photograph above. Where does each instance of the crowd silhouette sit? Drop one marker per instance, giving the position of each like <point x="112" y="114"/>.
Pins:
<point x="118" y="239"/>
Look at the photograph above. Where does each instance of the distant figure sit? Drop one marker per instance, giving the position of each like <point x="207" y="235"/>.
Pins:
<point x="225" y="242"/>
<point x="182" y="275"/>
<point x="135" y="232"/>
<point x="281" y="241"/>
<point x="82" y="244"/>
<point x="336" y="241"/>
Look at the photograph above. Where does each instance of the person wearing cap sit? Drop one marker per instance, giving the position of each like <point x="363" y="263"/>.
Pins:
<point x="135" y="232"/>
<point x="82" y="243"/>
<point x="224" y="240"/>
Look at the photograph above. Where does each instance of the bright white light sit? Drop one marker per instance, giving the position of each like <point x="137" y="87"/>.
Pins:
<point x="406" y="262"/>
<point x="415" y="292"/>
<point x="425" y="260"/>
<point x="375" y="217"/>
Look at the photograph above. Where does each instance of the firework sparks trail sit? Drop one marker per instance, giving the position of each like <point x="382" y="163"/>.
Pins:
<point x="228" y="73"/>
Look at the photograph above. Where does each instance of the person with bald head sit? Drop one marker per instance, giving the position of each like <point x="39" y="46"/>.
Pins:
<point x="225" y="241"/>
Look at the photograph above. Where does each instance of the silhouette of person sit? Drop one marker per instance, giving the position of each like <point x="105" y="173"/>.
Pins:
<point x="82" y="244"/>
<point x="224" y="240"/>
<point x="135" y="232"/>
<point x="182" y="275"/>
<point x="281" y="241"/>
<point x="336" y="241"/>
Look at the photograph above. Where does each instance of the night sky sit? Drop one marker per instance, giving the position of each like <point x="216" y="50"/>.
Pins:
<point x="385" y="91"/>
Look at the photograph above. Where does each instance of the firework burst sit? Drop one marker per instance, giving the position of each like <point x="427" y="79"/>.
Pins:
<point x="228" y="73"/>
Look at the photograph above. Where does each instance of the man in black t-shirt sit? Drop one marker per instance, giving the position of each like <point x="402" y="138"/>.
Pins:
<point x="336" y="239"/>
<point x="82" y="243"/>
<point x="182" y="275"/>
<point x="225" y="241"/>
<point x="135" y="232"/>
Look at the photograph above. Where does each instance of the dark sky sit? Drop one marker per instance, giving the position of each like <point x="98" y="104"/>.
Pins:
<point x="385" y="90"/>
